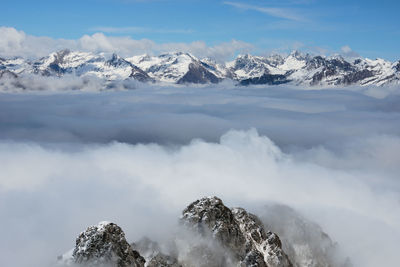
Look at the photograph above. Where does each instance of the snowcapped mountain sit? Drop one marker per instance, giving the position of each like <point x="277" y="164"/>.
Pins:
<point x="81" y="63"/>
<point x="181" y="68"/>
<point x="175" y="68"/>
<point x="309" y="70"/>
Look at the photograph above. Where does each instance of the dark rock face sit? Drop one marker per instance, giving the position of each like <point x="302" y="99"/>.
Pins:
<point x="355" y="77"/>
<point x="398" y="66"/>
<point x="257" y="239"/>
<point x="136" y="73"/>
<point x="54" y="67"/>
<point x="198" y="74"/>
<point x="2" y="67"/>
<point x="139" y="75"/>
<point x="210" y="214"/>
<point x="117" y="61"/>
<point x="105" y="244"/>
<point x="236" y="230"/>
<point x="270" y="79"/>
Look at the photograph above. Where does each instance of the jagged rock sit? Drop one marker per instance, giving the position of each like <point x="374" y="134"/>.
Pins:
<point x="214" y="236"/>
<point x="136" y="72"/>
<point x="270" y="79"/>
<point x="253" y="259"/>
<point x="184" y="68"/>
<point x="210" y="214"/>
<point x="198" y="74"/>
<point x="354" y="77"/>
<point x="267" y="243"/>
<point x="240" y="232"/>
<point x="105" y="244"/>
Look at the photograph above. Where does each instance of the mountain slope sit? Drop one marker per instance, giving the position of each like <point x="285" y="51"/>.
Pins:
<point x="183" y="68"/>
<point x="175" y="68"/>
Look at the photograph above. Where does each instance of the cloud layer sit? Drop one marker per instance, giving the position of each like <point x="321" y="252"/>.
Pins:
<point x="333" y="155"/>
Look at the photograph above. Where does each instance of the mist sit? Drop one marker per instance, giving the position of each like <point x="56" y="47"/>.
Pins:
<point x="137" y="157"/>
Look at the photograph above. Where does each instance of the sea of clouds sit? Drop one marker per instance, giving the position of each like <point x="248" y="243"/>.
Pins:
<point x="70" y="159"/>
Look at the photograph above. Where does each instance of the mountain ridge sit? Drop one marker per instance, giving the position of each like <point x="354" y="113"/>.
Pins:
<point x="184" y="68"/>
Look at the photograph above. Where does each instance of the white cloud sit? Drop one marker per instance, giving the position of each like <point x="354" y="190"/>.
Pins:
<point x="346" y="51"/>
<point x="284" y="13"/>
<point x="62" y="169"/>
<point x="16" y="43"/>
<point x="144" y="187"/>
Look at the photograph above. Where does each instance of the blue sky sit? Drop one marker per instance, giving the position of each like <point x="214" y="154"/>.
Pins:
<point x="371" y="28"/>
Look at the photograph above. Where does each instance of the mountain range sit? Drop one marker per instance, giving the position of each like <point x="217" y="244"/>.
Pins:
<point x="183" y="68"/>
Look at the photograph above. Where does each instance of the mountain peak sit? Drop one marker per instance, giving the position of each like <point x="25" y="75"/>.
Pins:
<point x="103" y="244"/>
<point x="183" y="67"/>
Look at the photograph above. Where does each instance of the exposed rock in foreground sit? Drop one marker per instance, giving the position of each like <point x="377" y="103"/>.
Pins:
<point x="240" y="232"/>
<point x="104" y="245"/>
<point x="267" y="243"/>
<point x="212" y="235"/>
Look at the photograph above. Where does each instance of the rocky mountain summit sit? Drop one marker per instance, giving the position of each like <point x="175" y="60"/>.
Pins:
<point x="240" y="232"/>
<point x="210" y="234"/>
<point x="103" y="245"/>
<point x="184" y="68"/>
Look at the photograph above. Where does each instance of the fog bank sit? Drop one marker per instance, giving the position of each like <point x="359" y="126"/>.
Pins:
<point x="137" y="158"/>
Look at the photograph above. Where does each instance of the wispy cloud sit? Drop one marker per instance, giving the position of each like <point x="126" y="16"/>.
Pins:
<point x="284" y="13"/>
<point x="135" y="29"/>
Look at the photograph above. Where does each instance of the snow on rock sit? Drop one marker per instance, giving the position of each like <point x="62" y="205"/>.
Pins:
<point x="267" y="243"/>
<point x="166" y="67"/>
<point x="236" y="230"/>
<point x="88" y="64"/>
<point x="177" y="67"/>
<point x="100" y="245"/>
<point x="213" y="235"/>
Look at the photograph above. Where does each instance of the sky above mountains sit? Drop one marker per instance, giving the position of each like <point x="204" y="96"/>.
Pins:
<point x="369" y="28"/>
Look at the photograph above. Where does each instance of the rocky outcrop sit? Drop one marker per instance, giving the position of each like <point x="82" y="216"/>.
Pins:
<point x="270" y="79"/>
<point x="210" y="214"/>
<point x="214" y="235"/>
<point x="267" y="244"/>
<point x="136" y="73"/>
<point x="104" y="245"/>
<point x="239" y="232"/>
<point x="197" y="73"/>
